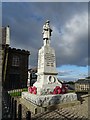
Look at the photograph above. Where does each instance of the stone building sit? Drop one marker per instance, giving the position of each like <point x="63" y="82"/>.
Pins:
<point x="82" y="85"/>
<point x="14" y="63"/>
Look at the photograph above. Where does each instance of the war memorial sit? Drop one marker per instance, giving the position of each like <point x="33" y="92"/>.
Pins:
<point x="47" y="90"/>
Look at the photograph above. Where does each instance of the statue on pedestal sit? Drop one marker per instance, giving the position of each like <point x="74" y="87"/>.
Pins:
<point x="46" y="30"/>
<point x="47" y="90"/>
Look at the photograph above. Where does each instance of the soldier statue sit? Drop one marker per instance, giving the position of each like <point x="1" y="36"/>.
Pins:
<point x="46" y="31"/>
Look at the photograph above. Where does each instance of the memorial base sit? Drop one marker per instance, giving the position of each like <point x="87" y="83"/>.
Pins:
<point x="39" y="104"/>
<point x="34" y="108"/>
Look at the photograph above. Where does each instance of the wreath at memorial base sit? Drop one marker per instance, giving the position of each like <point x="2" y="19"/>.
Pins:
<point x="59" y="90"/>
<point x="32" y="90"/>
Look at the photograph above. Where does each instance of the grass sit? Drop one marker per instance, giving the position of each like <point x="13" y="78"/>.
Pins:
<point x="25" y="89"/>
<point x="15" y="93"/>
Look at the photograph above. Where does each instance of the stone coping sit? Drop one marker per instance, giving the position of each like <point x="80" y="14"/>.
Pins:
<point x="87" y="95"/>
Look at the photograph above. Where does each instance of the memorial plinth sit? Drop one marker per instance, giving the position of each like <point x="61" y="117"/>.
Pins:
<point x="48" y="100"/>
<point x="47" y="90"/>
<point x="47" y="74"/>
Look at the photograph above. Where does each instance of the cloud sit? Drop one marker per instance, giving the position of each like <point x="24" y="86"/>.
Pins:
<point x="72" y="42"/>
<point x="45" y="1"/>
<point x="64" y="72"/>
<point x="68" y="21"/>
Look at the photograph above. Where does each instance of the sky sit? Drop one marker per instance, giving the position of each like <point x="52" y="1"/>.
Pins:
<point x="45" y="0"/>
<point x="69" y="22"/>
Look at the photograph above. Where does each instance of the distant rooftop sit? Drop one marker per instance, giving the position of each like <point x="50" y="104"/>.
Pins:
<point x="83" y="81"/>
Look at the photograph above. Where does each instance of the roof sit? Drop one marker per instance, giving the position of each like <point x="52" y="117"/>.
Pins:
<point x="83" y="81"/>
<point x="19" y="51"/>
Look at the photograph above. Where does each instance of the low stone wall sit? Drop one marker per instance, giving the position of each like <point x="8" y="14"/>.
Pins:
<point x="64" y="105"/>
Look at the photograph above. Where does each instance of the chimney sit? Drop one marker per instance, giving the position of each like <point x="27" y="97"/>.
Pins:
<point x="8" y="35"/>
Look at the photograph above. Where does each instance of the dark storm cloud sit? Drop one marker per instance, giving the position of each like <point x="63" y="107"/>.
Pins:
<point x="26" y="21"/>
<point x="73" y="43"/>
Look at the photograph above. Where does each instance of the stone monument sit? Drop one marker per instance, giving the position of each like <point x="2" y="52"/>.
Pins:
<point x="47" y="74"/>
<point x="47" y="90"/>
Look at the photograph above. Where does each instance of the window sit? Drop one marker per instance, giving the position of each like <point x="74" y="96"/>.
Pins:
<point x="15" y="61"/>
